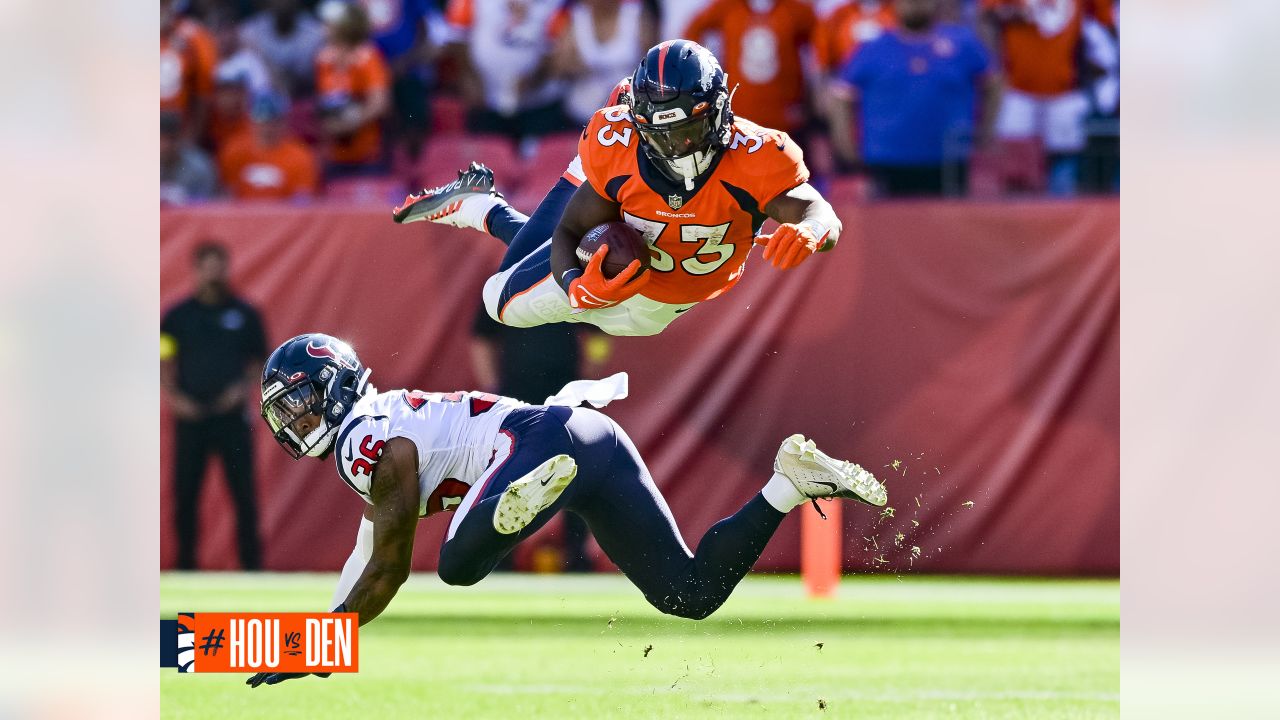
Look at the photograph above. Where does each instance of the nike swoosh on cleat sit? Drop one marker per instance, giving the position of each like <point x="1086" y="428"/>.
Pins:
<point x="545" y="482"/>
<point x="833" y="486"/>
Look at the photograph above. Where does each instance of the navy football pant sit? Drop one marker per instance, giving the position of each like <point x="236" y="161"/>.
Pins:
<point x="616" y="496"/>
<point x="522" y="234"/>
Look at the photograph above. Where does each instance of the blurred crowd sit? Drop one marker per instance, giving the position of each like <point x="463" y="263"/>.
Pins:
<point x="290" y="99"/>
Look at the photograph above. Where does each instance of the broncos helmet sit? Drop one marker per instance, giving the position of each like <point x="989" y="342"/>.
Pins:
<point x="680" y="105"/>
<point x="312" y="373"/>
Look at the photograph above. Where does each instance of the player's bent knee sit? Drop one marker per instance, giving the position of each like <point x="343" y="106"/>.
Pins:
<point x="457" y="573"/>
<point x="492" y="295"/>
<point x="686" y="610"/>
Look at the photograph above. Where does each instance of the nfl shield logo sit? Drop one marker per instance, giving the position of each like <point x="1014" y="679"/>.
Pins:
<point x="675" y="201"/>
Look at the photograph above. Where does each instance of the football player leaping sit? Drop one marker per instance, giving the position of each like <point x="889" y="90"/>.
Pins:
<point x="673" y="162"/>
<point x="505" y="468"/>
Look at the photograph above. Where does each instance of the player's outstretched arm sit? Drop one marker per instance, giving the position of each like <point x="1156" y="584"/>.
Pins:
<point x="394" y="513"/>
<point x="395" y="501"/>
<point x="586" y="209"/>
<point x="809" y="225"/>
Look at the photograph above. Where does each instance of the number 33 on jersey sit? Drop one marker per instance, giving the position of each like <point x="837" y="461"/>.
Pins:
<point x="699" y="238"/>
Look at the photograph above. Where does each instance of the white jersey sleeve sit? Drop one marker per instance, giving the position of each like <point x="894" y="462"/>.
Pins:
<point x="358" y="447"/>
<point x="453" y="433"/>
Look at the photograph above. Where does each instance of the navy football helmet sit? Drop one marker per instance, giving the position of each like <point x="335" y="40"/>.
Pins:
<point x="312" y="373"/>
<point x="680" y="102"/>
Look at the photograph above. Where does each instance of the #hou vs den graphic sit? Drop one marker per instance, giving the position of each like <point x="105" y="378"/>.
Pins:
<point x="261" y="642"/>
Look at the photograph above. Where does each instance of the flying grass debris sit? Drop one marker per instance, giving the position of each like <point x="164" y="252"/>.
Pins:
<point x="647" y="650"/>
<point x="822" y="704"/>
<point x="819" y="645"/>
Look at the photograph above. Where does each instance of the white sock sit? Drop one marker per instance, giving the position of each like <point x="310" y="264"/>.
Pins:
<point x="475" y="209"/>
<point x="782" y="494"/>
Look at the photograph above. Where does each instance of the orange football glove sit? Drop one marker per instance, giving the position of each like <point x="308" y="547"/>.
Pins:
<point x="790" y="244"/>
<point x="592" y="290"/>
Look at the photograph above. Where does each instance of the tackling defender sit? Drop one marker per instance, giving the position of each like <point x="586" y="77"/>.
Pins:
<point x="673" y="162"/>
<point x="504" y="468"/>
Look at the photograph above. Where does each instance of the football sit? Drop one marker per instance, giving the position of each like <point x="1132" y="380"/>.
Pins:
<point x="625" y="244"/>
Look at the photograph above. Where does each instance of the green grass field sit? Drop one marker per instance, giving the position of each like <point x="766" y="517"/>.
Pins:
<point x="525" y="647"/>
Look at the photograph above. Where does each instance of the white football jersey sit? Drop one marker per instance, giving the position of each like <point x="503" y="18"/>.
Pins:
<point x="455" y="434"/>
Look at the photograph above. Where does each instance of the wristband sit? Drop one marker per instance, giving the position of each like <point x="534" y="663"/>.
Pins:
<point x="567" y="277"/>
<point x="819" y="230"/>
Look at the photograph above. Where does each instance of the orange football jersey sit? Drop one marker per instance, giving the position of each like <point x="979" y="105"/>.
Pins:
<point x="1040" y="50"/>
<point x="698" y="239"/>
<point x="187" y="59"/>
<point x="356" y="74"/>
<point x="761" y="55"/>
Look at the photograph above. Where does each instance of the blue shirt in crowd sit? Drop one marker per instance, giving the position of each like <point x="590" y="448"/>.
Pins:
<point x="916" y="91"/>
<point x="395" y="24"/>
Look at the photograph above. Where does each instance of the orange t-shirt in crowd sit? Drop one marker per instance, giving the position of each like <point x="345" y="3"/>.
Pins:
<point x="251" y="171"/>
<point x="762" y="56"/>
<point x="849" y="26"/>
<point x="698" y="239"/>
<point x="187" y="59"/>
<point x="1040" y="50"/>
<point x="356" y="74"/>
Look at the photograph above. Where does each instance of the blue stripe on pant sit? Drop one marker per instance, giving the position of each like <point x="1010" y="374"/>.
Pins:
<point x="615" y="494"/>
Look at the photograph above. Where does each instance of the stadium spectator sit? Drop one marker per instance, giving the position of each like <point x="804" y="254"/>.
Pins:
<point x="601" y="44"/>
<point x="353" y="86"/>
<point x="762" y="42"/>
<point x="849" y="25"/>
<point x="188" y="56"/>
<point x="1039" y="44"/>
<point x="674" y="17"/>
<point x="505" y="60"/>
<point x="288" y="38"/>
<point x="211" y="350"/>
<point x="400" y="28"/>
<point x="1100" y="161"/>
<point x="265" y="162"/>
<point x="241" y="74"/>
<point x="533" y="364"/>
<point x="186" y="172"/>
<point x="914" y="93"/>
<point x="229" y="110"/>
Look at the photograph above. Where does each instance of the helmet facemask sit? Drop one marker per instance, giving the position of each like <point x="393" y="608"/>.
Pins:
<point x="286" y="407"/>
<point x="683" y="147"/>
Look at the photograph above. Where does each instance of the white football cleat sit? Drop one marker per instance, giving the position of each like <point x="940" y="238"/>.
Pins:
<point x="523" y="499"/>
<point x="463" y="203"/>
<point x="818" y="475"/>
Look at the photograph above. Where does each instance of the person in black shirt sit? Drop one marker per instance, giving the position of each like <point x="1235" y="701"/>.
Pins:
<point x="211" y="350"/>
<point x="532" y="364"/>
